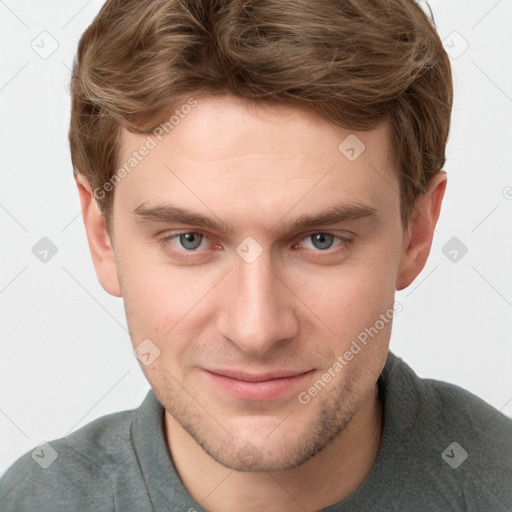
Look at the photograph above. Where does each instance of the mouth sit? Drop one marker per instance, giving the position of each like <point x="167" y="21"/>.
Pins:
<point x="258" y="387"/>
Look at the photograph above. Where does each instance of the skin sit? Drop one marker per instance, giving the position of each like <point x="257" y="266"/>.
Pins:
<point x="297" y="306"/>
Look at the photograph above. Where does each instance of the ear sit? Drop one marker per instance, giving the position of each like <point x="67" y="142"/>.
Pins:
<point x="418" y="239"/>
<point x="100" y="245"/>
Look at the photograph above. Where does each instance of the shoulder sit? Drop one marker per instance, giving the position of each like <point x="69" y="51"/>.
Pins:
<point x="462" y="444"/>
<point x="461" y="411"/>
<point x="446" y="406"/>
<point x="74" y="472"/>
<point x="476" y="446"/>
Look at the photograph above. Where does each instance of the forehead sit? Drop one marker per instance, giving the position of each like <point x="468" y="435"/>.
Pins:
<point x="227" y="127"/>
<point x="234" y="155"/>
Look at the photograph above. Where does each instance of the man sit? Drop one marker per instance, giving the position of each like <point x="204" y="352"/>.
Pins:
<point x="257" y="180"/>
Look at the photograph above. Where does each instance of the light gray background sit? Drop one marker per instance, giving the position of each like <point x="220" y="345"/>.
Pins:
<point x="65" y="355"/>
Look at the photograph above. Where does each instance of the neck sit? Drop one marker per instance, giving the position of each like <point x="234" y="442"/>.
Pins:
<point x="325" y="479"/>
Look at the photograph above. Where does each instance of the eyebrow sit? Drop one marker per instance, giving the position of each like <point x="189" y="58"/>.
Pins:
<point x="172" y="214"/>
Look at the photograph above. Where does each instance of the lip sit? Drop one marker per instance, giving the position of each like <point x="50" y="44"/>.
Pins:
<point x="259" y="387"/>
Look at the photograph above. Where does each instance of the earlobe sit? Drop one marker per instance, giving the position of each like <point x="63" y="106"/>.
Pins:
<point x="100" y="245"/>
<point x="418" y="238"/>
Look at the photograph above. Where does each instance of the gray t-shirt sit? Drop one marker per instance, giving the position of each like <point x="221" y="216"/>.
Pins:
<point x="443" y="449"/>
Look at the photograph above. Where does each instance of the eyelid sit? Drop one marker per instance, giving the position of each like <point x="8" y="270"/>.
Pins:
<point x="297" y="239"/>
<point x="347" y="238"/>
<point x="169" y="236"/>
<point x="344" y="241"/>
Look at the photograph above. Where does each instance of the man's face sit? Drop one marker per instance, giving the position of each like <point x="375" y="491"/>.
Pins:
<point x="267" y="298"/>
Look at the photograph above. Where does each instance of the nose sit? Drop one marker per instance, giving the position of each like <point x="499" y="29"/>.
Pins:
<point x="257" y="306"/>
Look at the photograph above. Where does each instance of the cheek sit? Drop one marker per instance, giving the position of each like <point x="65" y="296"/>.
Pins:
<point x="353" y="301"/>
<point x="166" y="304"/>
<point x="149" y="292"/>
<point x="157" y="298"/>
<point x="350" y="298"/>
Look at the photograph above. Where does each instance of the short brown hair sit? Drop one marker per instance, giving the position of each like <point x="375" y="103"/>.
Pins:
<point x="352" y="62"/>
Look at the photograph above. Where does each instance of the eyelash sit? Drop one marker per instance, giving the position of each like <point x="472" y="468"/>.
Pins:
<point x="189" y="255"/>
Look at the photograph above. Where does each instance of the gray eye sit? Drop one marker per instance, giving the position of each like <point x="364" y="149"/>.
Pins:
<point x="322" y="240"/>
<point x="191" y="240"/>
